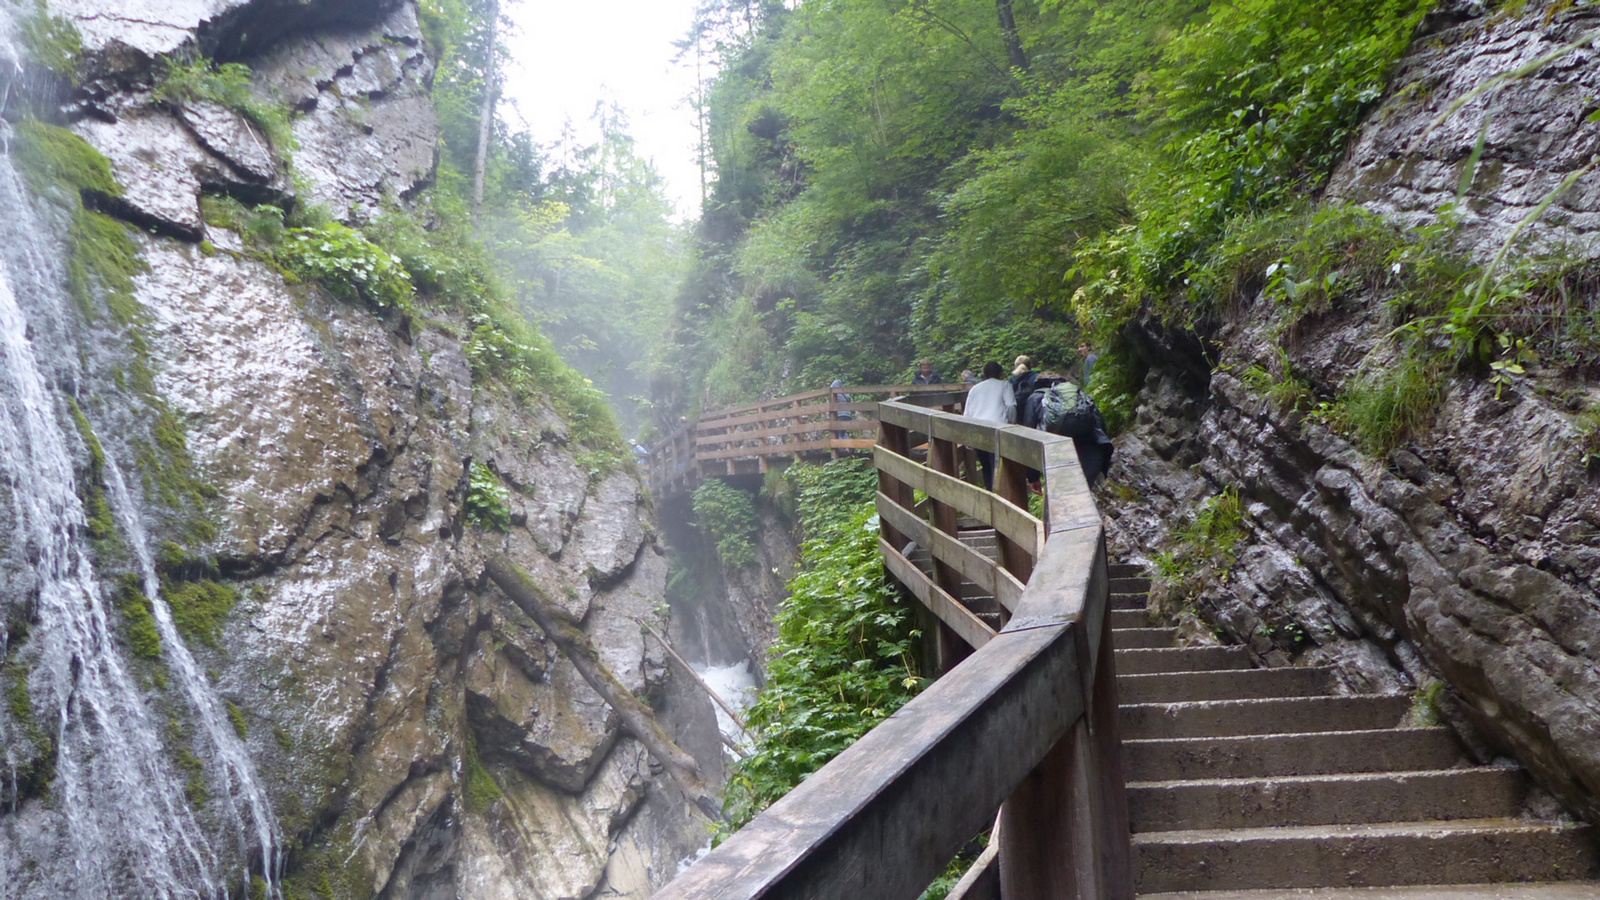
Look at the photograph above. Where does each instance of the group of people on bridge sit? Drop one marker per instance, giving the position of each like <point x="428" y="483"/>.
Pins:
<point x="1047" y="401"/>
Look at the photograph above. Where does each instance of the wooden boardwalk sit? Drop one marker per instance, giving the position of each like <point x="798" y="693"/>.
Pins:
<point x="1019" y="732"/>
<point x="750" y="439"/>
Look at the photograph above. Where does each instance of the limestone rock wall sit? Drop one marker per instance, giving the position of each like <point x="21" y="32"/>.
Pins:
<point x="418" y="736"/>
<point x="1470" y="554"/>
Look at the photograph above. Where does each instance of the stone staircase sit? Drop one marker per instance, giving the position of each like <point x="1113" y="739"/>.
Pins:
<point x="1264" y="784"/>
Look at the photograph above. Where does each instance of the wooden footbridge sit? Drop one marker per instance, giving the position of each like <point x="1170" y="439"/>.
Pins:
<point x="1241" y="782"/>
<point x="748" y="440"/>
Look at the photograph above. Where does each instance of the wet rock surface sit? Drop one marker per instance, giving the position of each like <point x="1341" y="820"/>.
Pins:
<point x="1409" y="158"/>
<point x="1466" y="555"/>
<point x="418" y="735"/>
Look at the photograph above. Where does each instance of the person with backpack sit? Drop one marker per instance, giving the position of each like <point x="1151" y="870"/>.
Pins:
<point x="991" y="400"/>
<point x="1066" y="409"/>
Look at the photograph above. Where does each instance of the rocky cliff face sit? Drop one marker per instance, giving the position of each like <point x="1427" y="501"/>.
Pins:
<point x="371" y="717"/>
<point x="1470" y="553"/>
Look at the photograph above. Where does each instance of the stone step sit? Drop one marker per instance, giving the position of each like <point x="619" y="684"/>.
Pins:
<point x="1143" y="638"/>
<point x="1180" y="659"/>
<point x="1320" y="856"/>
<point x="1324" y="753"/>
<point x="1277" y="715"/>
<point x="1130" y="585"/>
<point x="1124" y="570"/>
<point x="1129" y="618"/>
<point x="1223" y="684"/>
<point x="1570" y="890"/>
<point x="1129" y="601"/>
<point x="1476" y="793"/>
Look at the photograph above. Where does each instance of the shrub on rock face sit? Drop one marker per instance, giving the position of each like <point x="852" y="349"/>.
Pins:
<point x="348" y="264"/>
<point x="727" y="515"/>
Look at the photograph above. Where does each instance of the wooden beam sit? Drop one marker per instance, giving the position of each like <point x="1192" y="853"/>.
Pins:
<point x="1005" y="517"/>
<point x="885" y="817"/>
<point x="979" y="569"/>
<point x="949" y="610"/>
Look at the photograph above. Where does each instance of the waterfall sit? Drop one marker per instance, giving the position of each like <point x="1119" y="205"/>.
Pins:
<point x="117" y="822"/>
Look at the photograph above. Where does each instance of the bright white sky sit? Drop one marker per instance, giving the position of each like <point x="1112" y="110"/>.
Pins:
<point x="568" y="56"/>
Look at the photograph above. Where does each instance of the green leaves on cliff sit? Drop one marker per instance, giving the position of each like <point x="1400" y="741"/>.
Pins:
<point x="348" y="265"/>
<point x="844" y="658"/>
<point x="488" y="503"/>
<point x="889" y="187"/>
<point x="727" y="516"/>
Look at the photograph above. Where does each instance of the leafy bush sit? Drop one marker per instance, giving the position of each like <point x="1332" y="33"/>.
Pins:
<point x="1206" y="543"/>
<point x="727" y="516"/>
<point x="488" y="503"/>
<point x="348" y="264"/>
<point x="843" y="661"/>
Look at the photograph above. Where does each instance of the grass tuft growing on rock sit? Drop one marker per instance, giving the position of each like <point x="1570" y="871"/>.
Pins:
<point x="199" y="608"/>
<point x="52" y="41"/>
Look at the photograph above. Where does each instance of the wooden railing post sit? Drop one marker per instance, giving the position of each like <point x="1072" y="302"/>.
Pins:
<point x="896" y="440"/>
<point x="949" y="649"/>
<point x="1011" y="483"/>
<point x="1063" y="832"/>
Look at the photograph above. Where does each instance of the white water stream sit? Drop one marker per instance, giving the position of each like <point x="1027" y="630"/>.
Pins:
<point x="117" y="822"/>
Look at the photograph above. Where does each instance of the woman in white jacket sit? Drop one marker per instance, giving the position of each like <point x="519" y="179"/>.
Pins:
<point x="991" y="400"/>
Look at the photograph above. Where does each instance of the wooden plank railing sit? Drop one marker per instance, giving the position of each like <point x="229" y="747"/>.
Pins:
<point x="1025" y="723"/>
<point x="749" y="438"/>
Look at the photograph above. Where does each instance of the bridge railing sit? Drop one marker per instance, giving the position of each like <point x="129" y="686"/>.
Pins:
<point x="747" y="439"/>
<point x="1026" y="723"/>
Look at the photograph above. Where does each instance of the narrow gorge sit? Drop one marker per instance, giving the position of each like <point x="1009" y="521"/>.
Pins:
<point x="248" y="645"/>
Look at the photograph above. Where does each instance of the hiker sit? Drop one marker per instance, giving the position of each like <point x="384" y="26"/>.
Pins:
<point x="991" y="400"/>
<point x="1067" y="409"/>
<point x="842" y="415"/>
<point x="967" y="378"/>
<point x="1022" y="379"/>
<point x="1089" y="357"/>
<point x="925" y="374"/>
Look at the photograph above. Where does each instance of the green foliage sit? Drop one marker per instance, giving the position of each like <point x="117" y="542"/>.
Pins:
<point x="102" y="524"/>
<point x="349" y="265"/>
<point x="241" y="726"/>
<point x="1207" y="544"/>
<point x="727" y="516"/>
<point x="54" y="158"/>
<point x="139" y="622"/>
<point x="52" y="41"/>
<point x="261" y="226"/>
<point x="227" y="84"/>
<point x="830" y="495"/>
<point x="480" y="790"/>
<point x="843" y="660"/>
<point x="200" y="607"/>
<point x="488" y="503"/>
<point x="1388" y="404"/>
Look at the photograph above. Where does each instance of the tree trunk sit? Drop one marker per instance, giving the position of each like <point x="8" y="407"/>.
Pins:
<point x="491" y="90"/>
<point x="1008" y="28"/>
<point x="636" y="717"/>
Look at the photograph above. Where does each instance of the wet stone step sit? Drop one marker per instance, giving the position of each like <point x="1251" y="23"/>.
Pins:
<point x="1267" y="716"/>
<point x="1143" y="638"/>
<point x="1124" y="570"/>
<point x="1129" y="618"/>
<point x="1476" y="793"/>
<point x="1321" y="753"/>
<point x="1224" y="684"/>
<point x="1129" y="601"/>
<point x="1470" y="851"/>
<point x="1180" y="659"/>
<point x="1130" y="585"/>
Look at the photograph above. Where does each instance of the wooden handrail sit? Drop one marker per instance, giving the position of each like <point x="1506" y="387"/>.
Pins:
<point x="1026" y="723"/>
<point x="772" y="432"/>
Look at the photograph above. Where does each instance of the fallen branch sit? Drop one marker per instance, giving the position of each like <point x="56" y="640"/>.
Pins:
<point x="637" y="718"/>
<point x="715" y="697"/>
